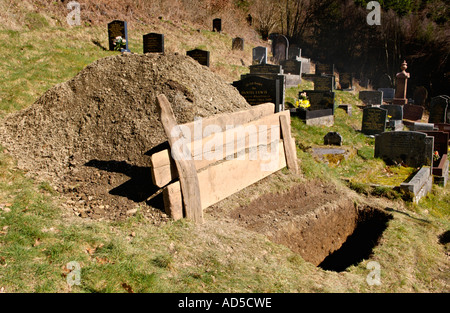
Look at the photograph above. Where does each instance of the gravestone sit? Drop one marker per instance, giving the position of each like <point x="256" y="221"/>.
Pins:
<point x="440" y="166"/>
<point x="417" y="126"/>
<point x="385" y="81"/>
<point x="370" y="97"/>
<point x="280" y="49"/>
<point x="217" y="25"/>
<point x="320" y="100"/>
<point x="412" y="112"/>
<point x="440" y="142"/>
<point x="346" y="80"/>
<point x="401" y="85"/>
<point x="443" y="127"/>
<point x="438" y="110"/>
<point x="259" y="55"/>
<point x="115" y="29"/>
<point x="420" y="95"/>
<point x="294" y="52"/>
<point x="238" y="43"/>
<point x="373" y="121"/>
<point x="273" y="72"/>
<point x="153" y="43"/>
<point x="306" y="65"/>
<point x="394" y="110"/>
<point x="324" y="83"/>
<point x="332" y="138"/>
<point x="388" y="94"/>
<point x="265" y="69"/>
<point x="395" y="121"/>
<point x="258" y="90"/>
<point x="409" y="148"/>
<point x="293" y="67"/>
<point x="326" y="69"/>
<point x="201" y="56"/>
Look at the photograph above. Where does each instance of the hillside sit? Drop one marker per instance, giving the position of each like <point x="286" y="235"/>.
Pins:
<point x="62" y="89"/>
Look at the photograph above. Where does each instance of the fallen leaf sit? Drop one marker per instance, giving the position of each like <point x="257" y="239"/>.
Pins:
<point x="102" y="260"/>
<point x="127" y="288"/>
<point x="37" y="242"/>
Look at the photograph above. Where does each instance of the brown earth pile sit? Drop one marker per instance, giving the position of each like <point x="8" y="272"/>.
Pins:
<point x="91" y="137"/>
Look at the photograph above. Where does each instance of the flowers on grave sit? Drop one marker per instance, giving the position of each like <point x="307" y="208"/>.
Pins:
<point x="436" y="156"/>
<point x="119" y="43"/>
<point x="303" y="101"/>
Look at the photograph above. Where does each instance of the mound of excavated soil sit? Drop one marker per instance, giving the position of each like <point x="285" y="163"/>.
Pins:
<point x="91" y="136"/>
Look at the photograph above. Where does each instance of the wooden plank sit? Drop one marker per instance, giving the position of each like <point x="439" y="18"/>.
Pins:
<point x="224" y="179"/>
<point x="163" y="171"/>
<point x="186" y="168"/>
<point x="173" y="201"/>
<point x="235" y="118"/>
<point x="289" y="149"/>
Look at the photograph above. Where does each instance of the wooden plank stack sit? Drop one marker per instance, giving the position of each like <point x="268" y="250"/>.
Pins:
<point x="234" y="151"/>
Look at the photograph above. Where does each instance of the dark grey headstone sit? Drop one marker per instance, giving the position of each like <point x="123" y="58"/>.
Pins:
<point x="420" y="95"/>
<point x="394" y="110"/>
<point x="265" y="69"/>
<point x="373" y="121"/>
<point x="385" y="81"/>
<point x="217" y="25"/>
<point x="320" y="100"/>
<point x="346" y="80"/>
<point x="238" y="43"/>
<point x="332" y="138"/>
<point x="327" y="69"/>
<point x="293" y="67"/>
<point x="412" y="112"/>
<point x="280" y="48"/>
<point x="115" y="29"/>
<point x="259" y="55"/>
<point x="438" y="110"/>
<point x="324" y="83"/>
<point x="388" y="93"/>
<point x="294" y="52"/>
<point x="153" y="43"/>
<point x="370" y="97"/>
<point x="258" y="90"/>
<point x="201" y="56"/>
<point x="409" y="148"/>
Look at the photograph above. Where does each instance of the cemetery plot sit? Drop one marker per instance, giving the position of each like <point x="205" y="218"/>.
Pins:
<point x="411" y="149"/>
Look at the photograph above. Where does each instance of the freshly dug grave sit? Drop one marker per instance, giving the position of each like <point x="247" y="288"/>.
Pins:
<point x="91" y="137"/>
<point x="317" y="221"/>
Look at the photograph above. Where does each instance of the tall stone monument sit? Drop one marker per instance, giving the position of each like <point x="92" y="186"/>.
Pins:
<point x="402" y="83"/>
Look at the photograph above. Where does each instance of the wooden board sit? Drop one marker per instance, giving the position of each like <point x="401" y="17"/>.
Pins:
<point x="186" y="168"/>
<point x="239" y="138"/>
<point x="224" y="179"/>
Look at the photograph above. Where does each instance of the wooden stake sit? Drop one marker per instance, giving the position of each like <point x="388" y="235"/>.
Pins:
<point x="289" y="148"/>
<point x="185" y="164"/>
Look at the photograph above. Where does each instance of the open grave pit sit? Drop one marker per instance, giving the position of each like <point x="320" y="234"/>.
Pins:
<point x="318" y="222"/>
